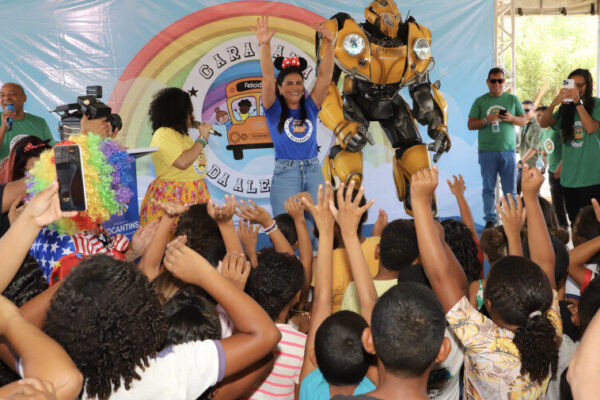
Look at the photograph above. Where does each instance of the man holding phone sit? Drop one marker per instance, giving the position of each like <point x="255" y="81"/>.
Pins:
<point x="494" y="115"/>
<point x="529" y="146"/>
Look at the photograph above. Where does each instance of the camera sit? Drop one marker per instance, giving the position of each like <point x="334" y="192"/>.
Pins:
<point x="89" y="105"/>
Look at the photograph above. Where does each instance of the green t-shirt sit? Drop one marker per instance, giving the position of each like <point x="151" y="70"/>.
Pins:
<point x="550" y="143"/>
<point x="580" y="157"/>
<point x="486" y="105"/>
<point x="30" y="125"/>
<point x="530" y="138"/>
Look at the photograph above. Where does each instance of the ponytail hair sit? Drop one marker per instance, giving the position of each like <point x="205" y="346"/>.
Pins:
<point x="283" y="72"/>
<point x="521" y="295"/>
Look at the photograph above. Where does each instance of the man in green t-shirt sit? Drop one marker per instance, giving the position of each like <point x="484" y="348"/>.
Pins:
<point x="495" y="115"/>
<point x="18" y="124"/>
<point x="578" y="121"/>
<point x="529" y="145"/>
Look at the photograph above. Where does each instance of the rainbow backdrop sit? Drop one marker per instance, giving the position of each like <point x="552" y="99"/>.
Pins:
<point x="169" y="57"/>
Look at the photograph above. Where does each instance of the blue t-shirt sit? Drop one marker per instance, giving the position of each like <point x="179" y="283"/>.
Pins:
<point x="297" y="141"/>
<point x="315" y="387"/>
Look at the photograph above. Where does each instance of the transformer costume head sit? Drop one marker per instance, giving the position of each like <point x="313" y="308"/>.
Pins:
<point x="384" y="15"/>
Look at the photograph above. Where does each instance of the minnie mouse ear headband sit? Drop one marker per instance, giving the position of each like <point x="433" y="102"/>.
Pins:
<point x="283" y="63"/>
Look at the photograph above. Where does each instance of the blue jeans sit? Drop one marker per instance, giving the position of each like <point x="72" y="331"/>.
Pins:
<point x="491" y="164"/>
<point x="291" y="177"/>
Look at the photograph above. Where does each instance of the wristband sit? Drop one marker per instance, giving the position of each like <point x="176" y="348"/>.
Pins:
<point x="272" y="228"/>
<point x="579" y="103"/>
<point x="202" y="140"/>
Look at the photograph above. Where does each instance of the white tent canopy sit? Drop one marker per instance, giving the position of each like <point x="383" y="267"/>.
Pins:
<point x="557" y="7"/>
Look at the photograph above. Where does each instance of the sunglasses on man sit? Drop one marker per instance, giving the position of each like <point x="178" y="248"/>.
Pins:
<point x="526" y="110"/>
<point x="496" y="80"/>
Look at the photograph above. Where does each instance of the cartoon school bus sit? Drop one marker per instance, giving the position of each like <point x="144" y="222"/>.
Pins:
<point x="248" y="128"/>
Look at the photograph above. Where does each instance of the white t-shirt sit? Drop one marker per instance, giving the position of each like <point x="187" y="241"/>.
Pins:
<point x="183" y="371"/>
<point x="444" y="380"/>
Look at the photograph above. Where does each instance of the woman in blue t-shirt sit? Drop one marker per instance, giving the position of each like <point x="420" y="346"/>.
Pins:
<point x="292" y="117"/>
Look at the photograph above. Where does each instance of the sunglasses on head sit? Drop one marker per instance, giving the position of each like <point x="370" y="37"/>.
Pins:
<point x="497" y="80"/>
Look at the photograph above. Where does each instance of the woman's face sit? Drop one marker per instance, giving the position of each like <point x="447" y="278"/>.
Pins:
<point x="190" y="121"/>
<point x="292" y="88"/>
<point x="30" y="163"/>
<point x="580" y="85"/>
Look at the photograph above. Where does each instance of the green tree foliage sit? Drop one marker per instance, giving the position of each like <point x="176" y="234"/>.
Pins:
<point x="548" y="49"/>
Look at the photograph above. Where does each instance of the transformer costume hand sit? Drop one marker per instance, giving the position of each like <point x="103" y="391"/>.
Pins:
<point x="360" y="139"/>
<point x="440" y="145"/>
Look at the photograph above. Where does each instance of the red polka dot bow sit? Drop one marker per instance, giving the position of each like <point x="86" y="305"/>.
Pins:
<point x="290" y="62"/>
<point x="30" y="146"/>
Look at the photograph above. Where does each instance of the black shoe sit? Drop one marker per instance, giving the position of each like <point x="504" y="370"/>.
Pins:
<point x="490" y="224"/>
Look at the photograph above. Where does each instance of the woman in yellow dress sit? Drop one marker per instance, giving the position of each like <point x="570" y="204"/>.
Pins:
<point x="179" y="163"/>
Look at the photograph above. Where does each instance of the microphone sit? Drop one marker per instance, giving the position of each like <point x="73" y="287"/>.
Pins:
<point x="9" y="121"/>
<point x="211" y="131"/>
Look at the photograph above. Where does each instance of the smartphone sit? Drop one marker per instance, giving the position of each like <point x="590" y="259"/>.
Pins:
<point x="568" y="84"/>
<point x="502" y="112"/>
<point x="70" y="174"/>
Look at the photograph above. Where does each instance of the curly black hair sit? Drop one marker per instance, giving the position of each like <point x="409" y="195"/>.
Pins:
<point x="203" y="234"/>
<point x="286" y="225"/>
<point x="586" y="227"/>
<point x="285" y="113"/>
<point x="460" y="240"/>
<point x="516" y="287"/>
<point x="275" y="281"/>
<point x="567" y="111"/>
<point x="398" y="247"/>
<point x="171" y="107"/>
<point x="494" y="243"/>
<point x="109" y="320"/>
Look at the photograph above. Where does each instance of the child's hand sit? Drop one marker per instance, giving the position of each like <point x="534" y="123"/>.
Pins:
<point x="326" y="33"/>
<point x="306" y="198"/>
<point x="423" y="184"/>
<point x="457" y="187"/>
<point x="380" y="224"/>
<point x="14" y="212"/>
<point x="293" y="206"/>
<point x="321" y="211"/>
<point x="596" y="209"/>
<point x="248" y="234"/>
<point x="183" y="262"/>
<point x="348" y="213"/>
<point x="142" y="238"/>
<point x="44" y="207"/>
<point x="173" y="210"/>
<point x="222" y="213"/>
<point x="531" y="181"/>
<point x="33" y="389"/>
<point x="236" y="268"/>
<point x="252" y="212"/>
<point x="511" y="215"/>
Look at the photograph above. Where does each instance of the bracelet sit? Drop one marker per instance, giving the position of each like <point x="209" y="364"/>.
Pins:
<point x="202" y="140"/>
<point x="485" y="122"/>
<point x="272" y="228"/>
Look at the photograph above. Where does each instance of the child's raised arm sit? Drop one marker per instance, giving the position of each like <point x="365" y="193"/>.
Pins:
<point x="540" y="244"/>
<point x="223" y="216"/>
<point x="256" y="334"/>
<point x="248" y="234"/>
<point x="458" y="187"/>
<point x="255" y="213"/>
<point x="441" y="273"/>
<point x="294" y="207"/>
<point x="347" y="216"/>
<point x="512" y="220"/>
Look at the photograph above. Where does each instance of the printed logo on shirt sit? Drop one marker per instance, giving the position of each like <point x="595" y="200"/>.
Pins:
<point x="200" y="165"/>
<point x="494" y="110"/>
<point x="297" y="131"/>
<point x="577" y="134"/>
<point x="548" y="146"/>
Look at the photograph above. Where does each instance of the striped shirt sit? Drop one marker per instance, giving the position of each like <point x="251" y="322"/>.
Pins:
<point x="289" y="356"/>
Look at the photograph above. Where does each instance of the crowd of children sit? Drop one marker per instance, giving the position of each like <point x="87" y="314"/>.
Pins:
<point x="406" y="313"/>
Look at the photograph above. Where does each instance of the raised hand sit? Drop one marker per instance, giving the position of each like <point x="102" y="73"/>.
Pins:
<point x="321" y="211"/>
<point x="248" y="234"/>
<point x="183" y="262"/>
<point x="253" y="212"/>
<point x="141" y="239"/>
<point x="294" y="207"/>
<point x="531" y="181"/>
<point x="457" y="186"/>
<point x="511" y="215"/>
<point x="33" y="389"/>
<point x="44" y="207"/>
<point x="423" y="184"/>
<point x="326" y="34"/>
<point x="173" y="210"/>
<point x="222" y="213"/>
<point x="261" y="30"/>
<point x="348" y="212"/>
<point x="380" y="224"/>
<point x="596" y="209"/>
<point x="236" y="269"/>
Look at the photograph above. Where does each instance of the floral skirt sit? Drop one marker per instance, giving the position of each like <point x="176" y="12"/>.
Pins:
<point x="191" y="192"/>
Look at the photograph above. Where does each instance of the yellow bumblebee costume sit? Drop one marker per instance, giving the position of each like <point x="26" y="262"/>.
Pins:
<point x="380" y="57"/>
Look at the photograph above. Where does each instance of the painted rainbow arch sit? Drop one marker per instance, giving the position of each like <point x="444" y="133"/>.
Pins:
<point x="169" y="57"/>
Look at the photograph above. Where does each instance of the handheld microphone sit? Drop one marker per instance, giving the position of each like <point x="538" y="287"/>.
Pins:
<point x="211" y="131"/>
<point x="9" y="121"/>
